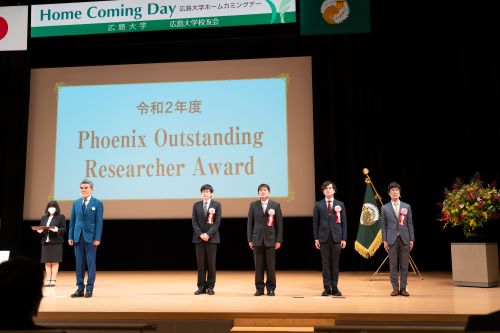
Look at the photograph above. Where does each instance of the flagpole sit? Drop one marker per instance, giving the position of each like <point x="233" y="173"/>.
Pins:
<point x="412" y="263"/>
<point x="368" y="180"/>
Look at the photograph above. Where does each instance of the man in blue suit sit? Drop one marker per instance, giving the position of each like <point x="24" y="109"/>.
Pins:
<point x="330" y="235"/>
<point x="85" y="230"/>
<point x="398" y="237"/>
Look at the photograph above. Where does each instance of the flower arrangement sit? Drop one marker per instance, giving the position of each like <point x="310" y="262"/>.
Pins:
<point x="470" y="205"/>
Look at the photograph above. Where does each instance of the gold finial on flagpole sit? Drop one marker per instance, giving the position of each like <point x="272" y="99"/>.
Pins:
<point x="368" y="180"/>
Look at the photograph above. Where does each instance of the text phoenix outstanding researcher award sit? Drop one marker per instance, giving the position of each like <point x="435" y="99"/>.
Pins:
<point x="162" y="138"/>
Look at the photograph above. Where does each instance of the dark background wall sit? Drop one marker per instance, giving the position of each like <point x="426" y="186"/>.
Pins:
<point x="417" y="100"/>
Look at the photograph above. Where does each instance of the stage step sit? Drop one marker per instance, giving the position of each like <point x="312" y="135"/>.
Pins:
<point x="281" y="329"/>
<point x="283" y="322"/>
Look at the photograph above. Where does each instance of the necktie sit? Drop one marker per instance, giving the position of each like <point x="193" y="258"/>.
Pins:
<point x="330" y="211"/>
<point x="396" y="209"/>
<point x="264" y="207"/>
<point x="205" y="208"/>
<point x="83" y="206"/>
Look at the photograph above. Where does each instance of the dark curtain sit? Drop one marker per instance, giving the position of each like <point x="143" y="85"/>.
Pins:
<point x="14" y="103"/>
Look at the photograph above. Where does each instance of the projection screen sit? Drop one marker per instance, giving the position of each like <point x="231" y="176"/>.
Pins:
<point x="150" y="135"/>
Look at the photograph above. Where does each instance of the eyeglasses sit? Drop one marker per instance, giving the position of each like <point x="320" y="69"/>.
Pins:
<point x="84" y="187"/>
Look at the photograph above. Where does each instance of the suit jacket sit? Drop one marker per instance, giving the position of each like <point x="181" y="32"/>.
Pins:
<point x="391" y="227"/>
<point x="58" y="221"/>
<point x="324" y="224"/>
<point x="200" y="219"/>
<point x="257" y="230"/>
<point x="87" y="225"/>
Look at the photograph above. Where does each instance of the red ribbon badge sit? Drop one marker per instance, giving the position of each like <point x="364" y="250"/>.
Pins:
<point x="211" y="213"/>
<point x="337" y="213"/>
<point x="270" y="218"/>
<point x="402" y="215"/>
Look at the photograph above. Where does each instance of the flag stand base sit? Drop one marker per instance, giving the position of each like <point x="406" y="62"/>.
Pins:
<point x="412" y="263"/>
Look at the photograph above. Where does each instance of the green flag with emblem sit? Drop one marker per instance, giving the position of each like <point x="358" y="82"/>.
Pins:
<point x="369" y="236"/>
<point x="324" y="17"/>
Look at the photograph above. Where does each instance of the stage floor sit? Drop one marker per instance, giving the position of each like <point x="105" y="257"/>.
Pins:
<point x="167" y="295"/>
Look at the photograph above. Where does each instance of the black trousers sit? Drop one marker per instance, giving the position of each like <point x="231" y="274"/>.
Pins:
<point x="206" y="254"/>
<point x="265" y="260"/>
<point x="330" y="259"/>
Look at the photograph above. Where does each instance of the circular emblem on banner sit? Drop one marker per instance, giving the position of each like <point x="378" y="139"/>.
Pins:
<point x="335" y="11"/>
<point x="4" y="27"/>
<point x="369" y="214"/>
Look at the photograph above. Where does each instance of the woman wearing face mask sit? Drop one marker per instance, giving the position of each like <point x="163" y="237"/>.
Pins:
<point x="52" y="241"/>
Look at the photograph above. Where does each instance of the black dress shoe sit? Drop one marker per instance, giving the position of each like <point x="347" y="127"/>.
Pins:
<point x="259" y="293"/>
<point x="271" y="292"/>
<point x="200" y="291"/>
<point x="210" y="291"/>
<point x="326" y="292"/>
<point x="78" y="293"/>
<point x="336" y="292"/>
<point x="88" y="294"/>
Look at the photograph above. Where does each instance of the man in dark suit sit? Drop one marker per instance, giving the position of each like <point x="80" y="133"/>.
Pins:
<point x="330" y="234"/>
<point x="85" y="230"/>
<point x="264" y="235"/>
<point x="397" y="234"/>
<point x="207" y="214"/>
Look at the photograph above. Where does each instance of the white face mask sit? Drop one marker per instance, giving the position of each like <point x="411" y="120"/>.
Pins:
<point x="51" y="210"/>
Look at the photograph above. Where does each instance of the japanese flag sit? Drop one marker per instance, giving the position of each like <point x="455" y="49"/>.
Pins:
<point x="13" y="28"/>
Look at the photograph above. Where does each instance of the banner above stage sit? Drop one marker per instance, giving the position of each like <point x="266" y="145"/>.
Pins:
<point x="107" y="17"/>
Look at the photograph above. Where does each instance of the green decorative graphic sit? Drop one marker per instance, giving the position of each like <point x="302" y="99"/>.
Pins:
<point x="285" y="4"/>
<point x="273" y="10"/>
